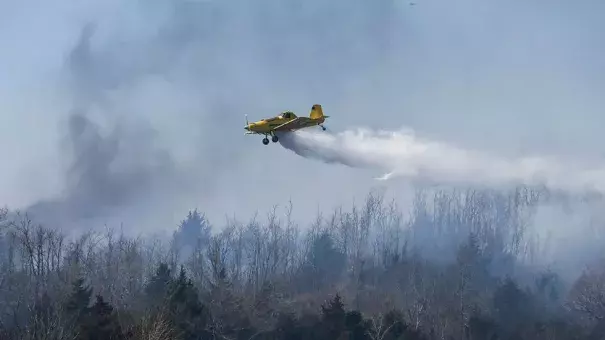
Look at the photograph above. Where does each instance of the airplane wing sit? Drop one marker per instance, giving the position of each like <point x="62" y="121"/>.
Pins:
<point x="294" y="124"/>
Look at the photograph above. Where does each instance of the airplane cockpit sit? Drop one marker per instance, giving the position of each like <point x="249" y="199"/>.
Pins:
<point x="287" y="115"/>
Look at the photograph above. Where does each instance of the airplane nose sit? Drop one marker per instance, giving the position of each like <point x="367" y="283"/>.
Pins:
<point x="246" y="127"/>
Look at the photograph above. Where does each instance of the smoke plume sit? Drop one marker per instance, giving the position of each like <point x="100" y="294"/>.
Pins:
<point x="403" y="154"/>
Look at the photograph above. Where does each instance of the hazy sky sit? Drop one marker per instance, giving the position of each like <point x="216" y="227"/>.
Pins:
<point x="167" y="84"/>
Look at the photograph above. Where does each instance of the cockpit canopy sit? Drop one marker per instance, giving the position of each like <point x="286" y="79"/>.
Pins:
<point x="288" y="114"/>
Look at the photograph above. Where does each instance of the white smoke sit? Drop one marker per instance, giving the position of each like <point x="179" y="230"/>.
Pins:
<point x="403" y="154"/>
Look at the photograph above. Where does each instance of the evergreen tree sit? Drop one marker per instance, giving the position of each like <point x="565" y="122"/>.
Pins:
<point x="355" y="326"/>
<point x="91" y="323"/>
<point x="513" y="306"/>
<point x="187" y="313"/>
<point x="101" y="322"/>
<point x="193" y="230"/>
<point x="333" y="318"/>
<point x="156" y="290"/>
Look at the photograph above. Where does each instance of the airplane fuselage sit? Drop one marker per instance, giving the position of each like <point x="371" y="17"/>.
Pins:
<point x="286" y="121"/>
<point x="266" y="126"/>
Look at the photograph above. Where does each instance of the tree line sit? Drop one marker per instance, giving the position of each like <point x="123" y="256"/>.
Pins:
<point x="461" y="265"/>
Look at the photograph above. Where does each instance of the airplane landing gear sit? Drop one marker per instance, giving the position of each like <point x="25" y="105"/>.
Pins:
<point x="265" y="140"/>
<point x="323" y="127"/>
<point x="274" y="139"/>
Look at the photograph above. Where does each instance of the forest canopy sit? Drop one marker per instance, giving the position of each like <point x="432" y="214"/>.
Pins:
<point x="460" y="265"/>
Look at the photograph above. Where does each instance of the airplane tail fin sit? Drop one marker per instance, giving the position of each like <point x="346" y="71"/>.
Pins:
<point x="317" y="112"/>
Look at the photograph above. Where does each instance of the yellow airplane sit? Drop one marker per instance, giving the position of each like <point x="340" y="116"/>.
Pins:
<point x="286" y="121"/>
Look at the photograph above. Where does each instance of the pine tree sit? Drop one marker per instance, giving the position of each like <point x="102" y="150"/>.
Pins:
<point x="355" y="326"/>
<point x="91" y="323"/>
<point x="186" y="311"/>
<point x="101" y="322"/>
<point x="193" y="229"/>
<point x="158" y="286"/>
<point x="333" y="318"/>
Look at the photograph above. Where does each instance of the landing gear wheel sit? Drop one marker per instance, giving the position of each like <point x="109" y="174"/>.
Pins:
<point x="265" y="140"/>
<point x="323" y="128"/>
<point x="274" y="139"/>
